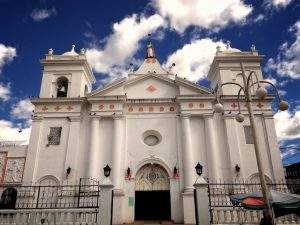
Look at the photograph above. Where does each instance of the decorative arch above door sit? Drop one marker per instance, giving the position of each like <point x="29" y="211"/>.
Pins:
<point x="152" y="177"/>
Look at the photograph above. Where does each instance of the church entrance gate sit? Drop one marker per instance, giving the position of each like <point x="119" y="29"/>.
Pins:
<point x="152" y="193"/>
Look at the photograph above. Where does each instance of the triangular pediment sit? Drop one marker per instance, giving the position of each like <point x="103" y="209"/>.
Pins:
<point x="151" y="86"/>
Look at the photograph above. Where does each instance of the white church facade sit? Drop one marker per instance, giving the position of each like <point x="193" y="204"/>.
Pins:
<point x="151" y="127"/>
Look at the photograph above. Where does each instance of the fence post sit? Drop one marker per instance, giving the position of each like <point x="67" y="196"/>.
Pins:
<point x="104" y="215"/>
<point x="202" y="202"/>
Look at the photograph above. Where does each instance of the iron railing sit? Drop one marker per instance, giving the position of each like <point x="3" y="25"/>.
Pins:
<point x="223" y="211"/>
<point x="84" y="195"/>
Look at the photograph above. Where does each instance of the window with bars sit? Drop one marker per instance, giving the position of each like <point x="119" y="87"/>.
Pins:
<point x="54" y="135"/>
<point x="248" y="135"/>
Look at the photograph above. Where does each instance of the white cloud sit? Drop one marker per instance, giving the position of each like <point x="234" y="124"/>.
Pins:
<point x="22" y="110"/>
<point x="259" y="18"/>
<point x="287" y="125"/>
<point x="8" y="132"/>
<point x="122" y="44"/>
<point x="287" y="62"/>
<point x="41" y="14"/>
<point x="278" y="3"/>
<point x="202" y="13"/>
<point x="7" y="54"/>
<point x="4" y="92"/>
<point x="193" y="60"/>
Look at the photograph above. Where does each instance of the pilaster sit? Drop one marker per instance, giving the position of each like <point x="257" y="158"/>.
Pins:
<point x="233" y="147"/>
<point x="273" y="149"/>
<point x="117" y="154"/>
<point x="33" y="149"/>
<point x="93" y="164"/>
<point x="72" y="149"/>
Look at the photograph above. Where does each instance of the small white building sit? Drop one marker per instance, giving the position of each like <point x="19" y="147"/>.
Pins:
<point x="151" y="128"/>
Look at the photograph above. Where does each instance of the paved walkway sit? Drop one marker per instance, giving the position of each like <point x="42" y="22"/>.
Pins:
<point x="152" y="223"/>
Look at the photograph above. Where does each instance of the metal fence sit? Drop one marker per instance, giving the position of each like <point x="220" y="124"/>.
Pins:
<point x="84" y="195"/>
<point x="222" y="210"/>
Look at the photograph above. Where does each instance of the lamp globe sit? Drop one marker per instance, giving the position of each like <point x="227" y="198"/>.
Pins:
<point x="218" y="107"/>
<point x="261" y="92"/>
<point x="239" y="117"/>
<point x="283" y="105"/>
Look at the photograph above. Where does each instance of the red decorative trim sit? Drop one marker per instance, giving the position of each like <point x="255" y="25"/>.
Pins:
<point x="201" y="105"/>
<point x="149" y="60"/>
<point x="141" y="109"/>
<point x="130" y="109"/>
<point x="161" y="109"/>
<point x="233" y="105"/>
<point x="111" y="106"/>
<point x="172" y="109"/>
<point x="259" y="105"/>
<point x="151" y="109"/>
<point x="101" y="107"/>
<point x="45" y="108"/>
<point x="57" y="108"/>
<point x="151" y="88"/>
<point x="70" y="108"/>
<point x="191" y="105"/>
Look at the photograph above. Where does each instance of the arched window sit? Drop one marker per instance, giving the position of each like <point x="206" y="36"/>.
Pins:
<point x="62" y="87"/>
<point x="8" y="198"/>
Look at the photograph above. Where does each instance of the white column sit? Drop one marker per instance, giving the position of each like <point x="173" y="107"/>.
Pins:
<point x="73" y="148"/>
<point x="187" y="153"/>
<point x="117" y="153"/>
<point x="212" y="147"/>
<point x="93" y="169"/>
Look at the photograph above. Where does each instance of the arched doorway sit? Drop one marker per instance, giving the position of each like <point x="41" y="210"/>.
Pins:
<point x="152" y="193"/>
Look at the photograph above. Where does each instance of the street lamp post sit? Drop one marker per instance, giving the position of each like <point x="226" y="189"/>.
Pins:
<point x="260" y="93"/>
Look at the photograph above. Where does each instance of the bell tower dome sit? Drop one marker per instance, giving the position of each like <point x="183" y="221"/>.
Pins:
<point x="67" y="75"/>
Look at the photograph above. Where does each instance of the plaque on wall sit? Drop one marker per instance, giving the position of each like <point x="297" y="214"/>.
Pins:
<point x="14" y="170"/>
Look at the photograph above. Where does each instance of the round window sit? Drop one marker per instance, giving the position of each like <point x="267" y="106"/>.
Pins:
<point x="151" y="140"/>
<point x="151" y="137"/>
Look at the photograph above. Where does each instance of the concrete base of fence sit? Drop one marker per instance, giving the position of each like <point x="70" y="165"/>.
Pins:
<point x="188" y="207"/>
<point x="104" y="215"/>
<point x="118" y="206"/>
<point x="203" y="201"/>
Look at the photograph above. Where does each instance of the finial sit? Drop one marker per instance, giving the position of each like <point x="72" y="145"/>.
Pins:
<point x="82" y="51"/>
<point x="218" y="48"/>
<point x="228" y="45"/>
<point x="253" y="49"/>
<point x="170" y="67"/>
<point x="73" y="48"/>
<point x="50" y="51"/>
<point x="131" y="67"/>
<point x="150" y="49"/>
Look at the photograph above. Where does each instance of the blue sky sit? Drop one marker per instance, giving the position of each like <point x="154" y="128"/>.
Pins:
<point x="115" y="32"/>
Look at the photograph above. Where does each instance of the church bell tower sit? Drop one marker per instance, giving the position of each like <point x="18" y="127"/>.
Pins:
<point x="66" y="75"/>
